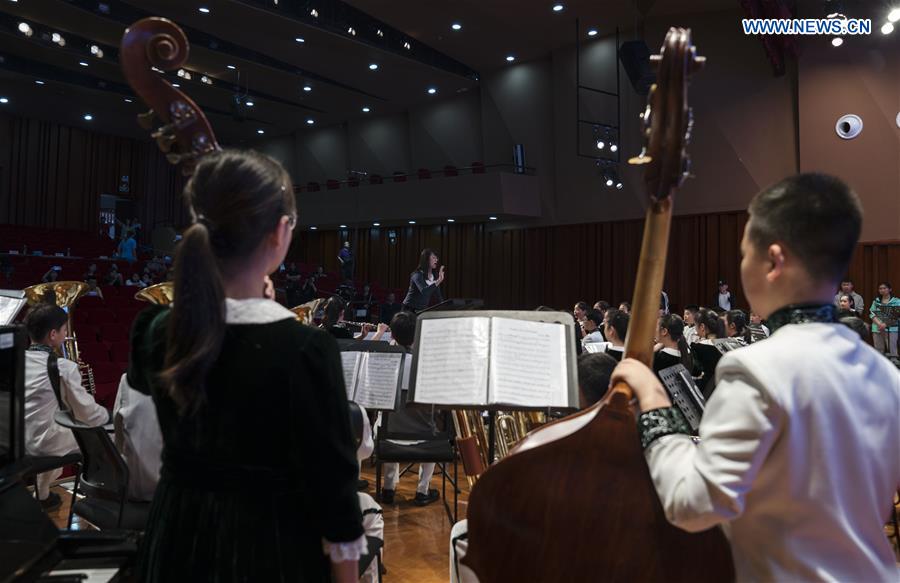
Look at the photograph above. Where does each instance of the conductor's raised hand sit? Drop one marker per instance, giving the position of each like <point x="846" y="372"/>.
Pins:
<point x="643" y="381"/>
<point x="441" y="274"/>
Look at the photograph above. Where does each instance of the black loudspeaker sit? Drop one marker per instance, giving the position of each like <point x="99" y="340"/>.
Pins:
<point x="635" y="57"/>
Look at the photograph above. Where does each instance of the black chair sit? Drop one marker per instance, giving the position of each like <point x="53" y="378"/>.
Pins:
<point x="435" y="447"/>
<point x="35" y="465"/>
<point x="102" y="478"/>
<point x="374" y="554"/>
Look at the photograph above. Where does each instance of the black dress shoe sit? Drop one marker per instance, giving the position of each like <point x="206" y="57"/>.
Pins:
<point x="51" y="502"/>
<point x="387" y="496"/>
<point x="426" y="499"/>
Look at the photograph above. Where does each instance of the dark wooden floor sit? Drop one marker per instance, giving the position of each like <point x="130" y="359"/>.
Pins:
<point x="417" y="539"/>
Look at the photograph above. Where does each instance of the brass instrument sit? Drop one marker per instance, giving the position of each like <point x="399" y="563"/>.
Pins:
<point x="513" y="426"/>
<point x="161" y="294"/>
<point x="510" y="427"/>
<point x="306" y="313"/>
<point x="65" y="294"/>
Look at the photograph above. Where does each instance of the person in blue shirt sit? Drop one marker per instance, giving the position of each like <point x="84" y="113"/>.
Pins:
<point x="884" y="337"/>
<point x="128" y="249"/>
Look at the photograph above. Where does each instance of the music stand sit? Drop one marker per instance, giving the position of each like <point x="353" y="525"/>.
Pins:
<point x="346" y="345"/>
<point x="889" y="316"/>
<point x="455" y="304"/>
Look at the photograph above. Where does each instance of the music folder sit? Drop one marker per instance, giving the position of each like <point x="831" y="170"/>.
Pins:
<point x="374" y="373"/>
<point x="493" y="359"/>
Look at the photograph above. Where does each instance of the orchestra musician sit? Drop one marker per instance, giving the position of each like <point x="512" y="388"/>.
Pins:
<point x="796" y="422"/>
<point x="248" y="400"/>
<point x="423" y="284"/>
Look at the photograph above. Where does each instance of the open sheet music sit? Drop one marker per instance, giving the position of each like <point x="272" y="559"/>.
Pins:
<point x="495" y="360"/>
<point x="373" y="378"/>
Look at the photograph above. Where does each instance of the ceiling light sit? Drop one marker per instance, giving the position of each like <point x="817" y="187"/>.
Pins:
<point x="4" y="100"/>
<point x="613" y="148"/>
<point x="310" y="121"/>
<point x="609" y="182"/>
<point x="38" y="82"/>
<point x="379" y="33"/>
<point x="313" y="228"/>
<point x="58" y="39"/>
<point x="376" y="224"/>
<point x="232" y="67"/>
<point x="451" y="220"/>
<point x="351" y="31"/>
<point x="894" y="15"/>
<point x="314" y="13"/>
<point x="407" y="46"/>
<point x="366" y="110"/>
<point x="204" y="9"/>
<point x="510" y="58"/>
<point x="175" y="85"/>
<point x="601" y="144"/>
<point x="260" y="132"/>
<point x="95" y="49"/>
<point x="619" y="185"/>
<point x="558" y="8"/>
<point x="373" y="67"/>
<point x="249" y="103"/>
<point x="181" y="73"/>
<point x="456" y="26"/>
<point x="837" y="41"/>
<point x="25" y="29"/>
<point x="342" y="226"/>
<point x="592" y="32"/>
<point x="88" y="117"/>
<point x="432" y="91"/>
<point x="300" y="39"/>
<point x="82" y="63"/>
<point x="492" y="218"/>
<point x="888" y="28"/>
<point x="205" y="79"/>
<point x="128" y="100"/>
<point x="412" y="222"/>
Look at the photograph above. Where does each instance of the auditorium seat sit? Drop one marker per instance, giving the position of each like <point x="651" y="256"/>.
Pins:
<point x="114" y="333"/>
<point x="94" y="352"/>
<point x="424" y="173"/>
<point x="477" y="167"/>
<point x="451" y="171"/>
<point x="376" y="179"/>
<point x="399" y="176"/>
<point x="106" y="372"/>
<point x="332" y="184"/>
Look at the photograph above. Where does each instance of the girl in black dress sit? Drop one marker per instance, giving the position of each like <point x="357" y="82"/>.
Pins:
<point x="675" y="350"/>
<point x="424" y="283"/>
<point x="258" y="479"/>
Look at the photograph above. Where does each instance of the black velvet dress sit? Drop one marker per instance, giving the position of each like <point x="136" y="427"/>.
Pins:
<point x="252" y="482"/>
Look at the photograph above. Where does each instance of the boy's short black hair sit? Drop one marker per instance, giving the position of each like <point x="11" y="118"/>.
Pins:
<point x="816" y="216"/>
<point x="595" y="316"/>
<point x="42" y="319"/>
<point x="692" y="308"/>
<point x="403" y="328"/>
<point x="618" y="321"/>
<point x="594" y="371"/>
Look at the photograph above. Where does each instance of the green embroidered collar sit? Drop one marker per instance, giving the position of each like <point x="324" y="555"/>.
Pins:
<point x="801" y="314"/>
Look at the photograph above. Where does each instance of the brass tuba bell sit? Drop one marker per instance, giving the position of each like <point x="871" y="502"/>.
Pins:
<point x="306" y="313"/>
<point x="161" y="294"/>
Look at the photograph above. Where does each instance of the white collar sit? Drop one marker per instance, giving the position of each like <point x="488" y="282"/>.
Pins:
<point x="255" y="311"/>
<point x="672" y="351"/>
<point x="616" y="348"/>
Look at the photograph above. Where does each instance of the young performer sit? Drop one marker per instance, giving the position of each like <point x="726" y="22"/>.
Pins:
<point x="615" y="328"/>
<point x="249" y="400"/>
<point x="857" y="304"/>
<point x="884" y="337"/>
<point x="423" y="283"/>
<point x="675" y="350"/>
<point x="797" y="455"/>
<point x="593" y="327"/>
<point x="690" y="330"/>
<point x="47" y="327"/>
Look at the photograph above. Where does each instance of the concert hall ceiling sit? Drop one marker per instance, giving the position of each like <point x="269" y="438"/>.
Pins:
<point x="273" y="67"/>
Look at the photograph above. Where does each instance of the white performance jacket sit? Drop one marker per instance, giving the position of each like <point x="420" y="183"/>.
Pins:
<point x="43" y="437"/>
<point x="799" y="458"/>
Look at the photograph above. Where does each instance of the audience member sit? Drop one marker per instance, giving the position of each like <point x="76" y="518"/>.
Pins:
<point x="724" y="299"/>
<point x="135" y="281"/>
<point x="91" y="273"/>
<point x="884" y="337"/>
<point x="625" y="308"/>
<point x="113" y="277"/>
<point x="92" y="289"/>
<point x="857" y="304"/>
<point x="389" y="308"/>
<point x="52" y="274"/>
<point x="127" y="248"/>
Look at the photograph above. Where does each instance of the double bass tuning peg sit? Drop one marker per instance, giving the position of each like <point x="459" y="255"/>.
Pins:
<point x="145" y="120"/>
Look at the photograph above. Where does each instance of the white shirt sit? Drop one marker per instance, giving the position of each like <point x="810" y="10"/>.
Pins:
<point x="43" y="436"/>
<point x="690" y="334"/>
<point x="138" y="439"/>
<point x="724" y="302"/>
<point x="595" y="336"/>
<point x="804" y="491"/>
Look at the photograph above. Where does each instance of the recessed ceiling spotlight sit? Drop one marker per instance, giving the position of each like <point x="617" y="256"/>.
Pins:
<point x="619" y="185"/>
<point x="260" y="132"/>
<point x="342" y="226"/>
<point x="310" y="121"/>
<point x="82" y="63"/>
<point x="314" y="13"/>
<point x="232" y="67"/>
<point x="601" y="144"/>
<point x="492" y="218"/>
<point x="204" y="9"/>
<point x="4" y="100"/>
<point x="58" y="39"/>
<point x="376" y="224"/>
<point x="412" y="222"/>
<point x="128" y="100"/>
<point x="175" y="85"/>
<point x="592" y="32"/>
<point x="510" y="58"/>
<point x="456" y="26"/>
<point x="609" y="182"/>
<point x="894" y="15"/>
<point x="887" y="28"/>
<point x="313" y="228"/>
<point x="379" y="33"/>
<point x="38" y="82"/>
<point x="613" y="147"/>
<point x="25" y="29"/>
<point x="837" y="41"/>
<point x="432" y="91"/>
<point x="407" y="46"/>
<point x="451" y="220"/>
<point x="307" y="88"/>
<point x="249" y="103"/>
<point x="300" y="39"/>
<point x="366" y="110"/>
<point x="351" y="31"/>
<point x="373" y="66"/>
<point x="205" y="79"/>
<point x="558" y="8"/>
<point x="88" y="117"/>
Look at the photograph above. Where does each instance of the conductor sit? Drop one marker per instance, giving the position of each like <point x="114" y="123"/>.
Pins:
<point x="422" y="283"/>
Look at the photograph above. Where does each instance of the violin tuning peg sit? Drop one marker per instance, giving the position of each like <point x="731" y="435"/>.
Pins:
<point x="145" y="120"/>
<point x="165" y="141"/>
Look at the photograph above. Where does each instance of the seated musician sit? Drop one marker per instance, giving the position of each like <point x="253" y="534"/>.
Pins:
<point x="797" y="455"/>
<point x="333" y="320"/>
<point x="405" y="420"/>
<point x="373" y="518"/>
<point x="674" y="350"/>
<point x="614" y="328"/>
<point x="708" y="326"/>
<point x="690" y="330"/>
<point x="138" y="439"/>
<point x="47" y="327"/>
<point x="736" y="325"/>
<point x="594" y="372"/>
<point x="592" y="326"/>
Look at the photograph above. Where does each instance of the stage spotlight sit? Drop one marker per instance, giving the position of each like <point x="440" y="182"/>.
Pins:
<point x="366" y="110"/>
<point x="510" y="58"/>
<point x="412" y="222"/>
<point x="310" y="121"/>
<point x="613" y="148"/>
<point x="307" y="88"/>
<point x="204" y="9"/>
<point x="894" y="15"/>
<point x="609" y="182"/>
<point x="619" y="185"/>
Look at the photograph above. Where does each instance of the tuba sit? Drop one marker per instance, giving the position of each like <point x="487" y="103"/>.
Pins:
<point x="65" y="294"/>
<point x="306" y="313"/>
<point x="161" y="294"/>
